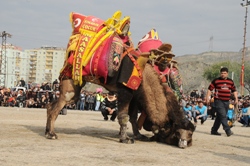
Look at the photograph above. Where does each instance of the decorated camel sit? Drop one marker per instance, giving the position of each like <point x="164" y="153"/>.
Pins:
<point x="178" y="130"/>
<point x="161" y="59"/>
<point x="101" y="52"/>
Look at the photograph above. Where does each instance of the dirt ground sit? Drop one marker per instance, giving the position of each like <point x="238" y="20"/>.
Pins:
<point x="85" y="139"/>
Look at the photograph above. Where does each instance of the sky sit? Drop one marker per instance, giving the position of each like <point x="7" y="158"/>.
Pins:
<point x="192" y="27"/>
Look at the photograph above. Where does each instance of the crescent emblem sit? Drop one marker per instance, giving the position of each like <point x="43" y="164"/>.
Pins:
<point x="144" y="38"/>
<point x="77" y="22"/>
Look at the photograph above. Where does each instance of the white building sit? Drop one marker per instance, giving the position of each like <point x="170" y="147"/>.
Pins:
<point x="45" y="63"/>
<point x="14" y="64"/>
<point x="33" y="65"/>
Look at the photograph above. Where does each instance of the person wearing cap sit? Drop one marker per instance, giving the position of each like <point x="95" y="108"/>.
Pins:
<point x="109" y="106"/>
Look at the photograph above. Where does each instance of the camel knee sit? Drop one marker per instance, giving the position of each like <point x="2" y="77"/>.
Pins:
<point x="123" y="119"/>
<point x="68" y="96"/>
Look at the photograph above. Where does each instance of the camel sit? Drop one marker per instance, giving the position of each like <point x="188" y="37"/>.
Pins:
<point x="178" y="130"/>
<point x="105" y="56"/>
<point x="168" y="123"/>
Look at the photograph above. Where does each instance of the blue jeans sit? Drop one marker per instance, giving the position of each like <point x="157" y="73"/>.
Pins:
<point x="244" y="120"/>
<point x="97" y="105"/>
<point x="203" y="118"/>
<point x="82" y="105"/>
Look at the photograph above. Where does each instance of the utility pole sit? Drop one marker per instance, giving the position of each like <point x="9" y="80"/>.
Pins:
<point x="210" y="48"/>
<point x="244" y="48"/>
<point x="3" y="58"/>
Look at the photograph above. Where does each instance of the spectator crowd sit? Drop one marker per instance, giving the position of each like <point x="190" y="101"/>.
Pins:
<point x="38" y="96"/>
<point x="194" y="106"/>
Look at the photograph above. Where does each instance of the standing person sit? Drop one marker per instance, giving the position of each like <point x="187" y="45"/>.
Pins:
<point x="98" y="101"/>
<point x="21" y="83"/>
<point x="202" y="93"/>
<point x="223" y="87"/>
<point x="82" y="100"/>
<point x="54" y="84"/>
<point x="91" y="101"/>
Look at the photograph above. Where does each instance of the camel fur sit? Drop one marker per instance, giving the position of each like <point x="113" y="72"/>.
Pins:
<point x="164" y="116"/>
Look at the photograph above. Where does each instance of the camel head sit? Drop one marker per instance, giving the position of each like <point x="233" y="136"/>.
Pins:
<point x="175" y="134"/>
<point x="162" y="56"/>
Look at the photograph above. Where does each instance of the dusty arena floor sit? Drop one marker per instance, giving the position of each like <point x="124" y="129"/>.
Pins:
<point x="85" y="139"/>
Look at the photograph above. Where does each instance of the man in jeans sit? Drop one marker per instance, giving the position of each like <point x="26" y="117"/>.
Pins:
<point x="82" y="100"/>
<point x="223" y="87"/>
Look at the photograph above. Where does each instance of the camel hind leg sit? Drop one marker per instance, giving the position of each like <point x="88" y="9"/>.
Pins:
<point x="68" y="92"/>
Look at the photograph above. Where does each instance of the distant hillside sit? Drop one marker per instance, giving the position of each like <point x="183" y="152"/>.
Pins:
<point x="192" y="66"/>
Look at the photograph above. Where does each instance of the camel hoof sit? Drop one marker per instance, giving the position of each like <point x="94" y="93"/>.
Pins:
<point x="127" y="141"/>
<point x="153" y="139"/>
<point x="142" y="138"/>
<point x="51" y="136"/>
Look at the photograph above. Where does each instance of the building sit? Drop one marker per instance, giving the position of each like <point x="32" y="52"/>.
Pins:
<point x="33" y="65"/>
<point x="14" y="64"/>
<point x="45" y="63"/>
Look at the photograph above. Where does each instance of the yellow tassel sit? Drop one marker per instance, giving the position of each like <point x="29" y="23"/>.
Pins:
<point x="71" y="20"/>
<point x="121" y="24"/>
<point x="86" y="56"/>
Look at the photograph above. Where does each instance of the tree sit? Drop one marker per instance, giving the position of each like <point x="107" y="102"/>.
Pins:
<point x="247" y="77"/>
<point x="213" y="71"/>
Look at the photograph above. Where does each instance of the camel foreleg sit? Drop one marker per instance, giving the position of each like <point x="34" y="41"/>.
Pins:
<point x="68" y="93"/>
<point x="124" y="97"/>
<point x="123" y="120"/>
<point x="133" y="115"/>
<point x="53" y="110"/>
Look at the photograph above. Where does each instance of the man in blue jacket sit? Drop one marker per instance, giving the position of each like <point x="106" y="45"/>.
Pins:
<point x="200" y="112"/>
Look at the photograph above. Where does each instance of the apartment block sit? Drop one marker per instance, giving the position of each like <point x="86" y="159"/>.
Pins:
<point x="45" y="63"/>
<point x="14" y="64"/>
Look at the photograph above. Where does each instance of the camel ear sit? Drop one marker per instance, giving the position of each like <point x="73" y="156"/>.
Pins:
<point x="188" y="125"/>
<point x="191" y="126"/>
<point x="165" y="47"/>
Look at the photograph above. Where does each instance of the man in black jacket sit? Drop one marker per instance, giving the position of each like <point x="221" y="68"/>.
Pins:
<point x="109" y="106"/>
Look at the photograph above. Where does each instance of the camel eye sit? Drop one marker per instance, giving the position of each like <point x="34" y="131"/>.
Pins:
<point x="178" y="134"/>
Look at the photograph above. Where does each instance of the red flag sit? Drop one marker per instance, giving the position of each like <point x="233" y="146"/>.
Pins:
<point x="242" y="75"/>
